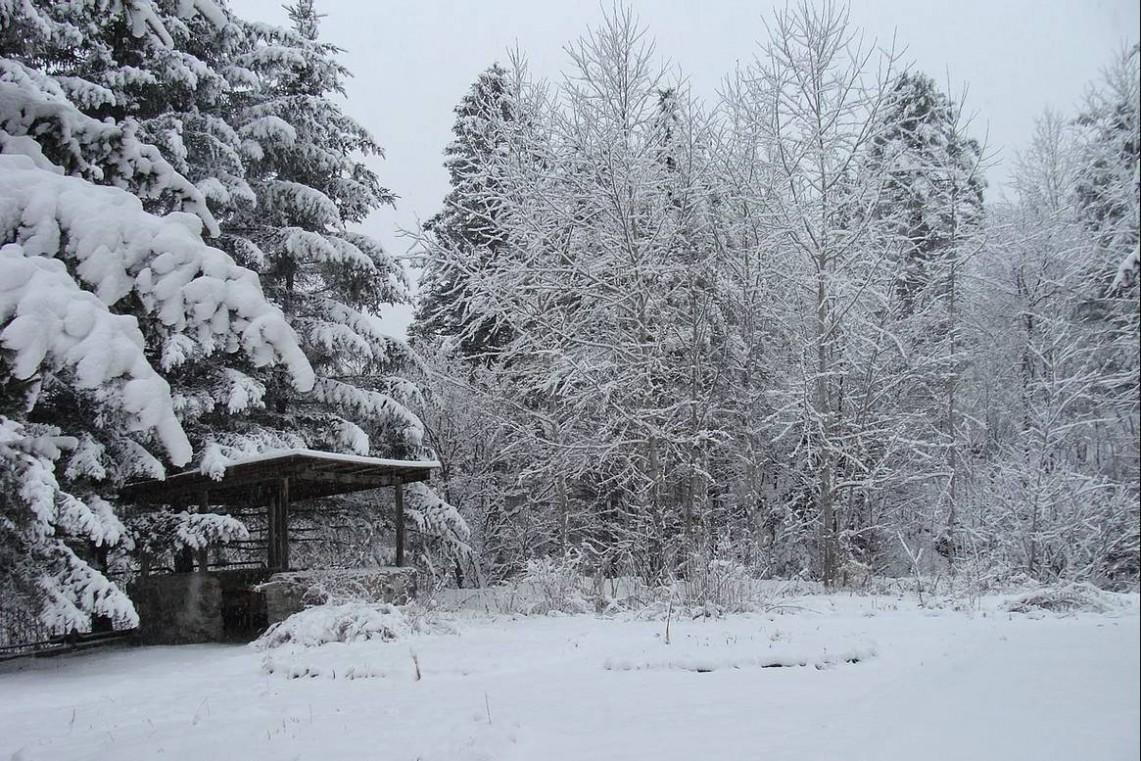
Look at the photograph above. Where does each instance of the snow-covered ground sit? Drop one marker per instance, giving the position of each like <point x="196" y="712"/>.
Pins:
<point x="858" y="678"/>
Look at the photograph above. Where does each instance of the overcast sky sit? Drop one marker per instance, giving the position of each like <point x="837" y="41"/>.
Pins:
<point x="414" y="59"/>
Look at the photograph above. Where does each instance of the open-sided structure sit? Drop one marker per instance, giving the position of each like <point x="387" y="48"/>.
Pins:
<point x="276" y="480"/>
<point x="220" y="602"/>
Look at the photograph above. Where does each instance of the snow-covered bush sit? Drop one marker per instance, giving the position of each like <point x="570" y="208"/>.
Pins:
<point x="347" y="622"/>
<point x="556" y="584"/>
<point x="717" y="586"/>
<point x="1078" y="597"/>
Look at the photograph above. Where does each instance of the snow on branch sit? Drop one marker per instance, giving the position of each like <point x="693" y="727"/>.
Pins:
<point x="1129" y="270"/>
<point x="435" y="518"/>
<point x="32" y="101"/>
<point x="201" y="530"/>
<point x="157" y="533"/>
<point x="118" y="248"/>
<point x="50" y="323"/>
<point x="364" y="404"/>
<point x="70" y="591"/>
<point x="73" y="591"/>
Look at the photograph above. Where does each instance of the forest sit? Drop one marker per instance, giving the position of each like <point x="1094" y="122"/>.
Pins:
<point x="788" y="333"/>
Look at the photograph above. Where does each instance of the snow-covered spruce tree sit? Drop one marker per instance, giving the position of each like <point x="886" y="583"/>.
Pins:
<point x="934" y="188"/>
<point x="45" y="84"/>
<point x="175" y="89"/>
<point x="476" y="477"/>
<point x="150" y="78"/>
<point x="305" y="161"/>
<point x="163" y="69"/>
<point x="1109" y="159"/>
<point x="932" y="207"/>
<point x="521" y="518"/>
<point x="96" y="291"/>
<point x="468" y="224"/>
<point x="1108" y="196"/>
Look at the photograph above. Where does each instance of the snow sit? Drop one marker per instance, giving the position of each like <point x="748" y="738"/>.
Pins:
<point x="31" y="100"/>
<point x="976" y="684"/>
<point x="1128" y="269"/>
<point x="364" y="403"/>
<point x="118" y="248"/>
<point x="347" y="622"/>
<point x="274" y="454"/>
<point x="201" y="530"/>
<point x="49" y="320"/>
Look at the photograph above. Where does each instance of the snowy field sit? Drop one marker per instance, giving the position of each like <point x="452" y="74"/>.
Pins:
<point x="860" y="677"/>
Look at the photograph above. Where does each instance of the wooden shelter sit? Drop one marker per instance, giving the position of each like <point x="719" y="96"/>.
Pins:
<point x="276" y="480"/>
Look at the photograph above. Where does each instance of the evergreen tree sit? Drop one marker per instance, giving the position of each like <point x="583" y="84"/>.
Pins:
<point x="933" y="197"/>
<point x="1108" y="181"/>
<point x="305" y="162"/>
<point x="468" y="226"/>
<point x="96" y="292"/>
<point x="931" y="213"/>
<point x="164" y="74"/>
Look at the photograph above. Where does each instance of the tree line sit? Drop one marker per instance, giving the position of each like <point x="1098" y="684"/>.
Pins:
<point x="786" y="329"/>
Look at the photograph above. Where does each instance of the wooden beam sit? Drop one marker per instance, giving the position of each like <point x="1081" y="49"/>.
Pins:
<point x="204" y="552"/>
<point x="235" y="485"/>
<point x="357" y="481"/>
<point x="399" y="494"/>
<point x="243" y="483"/>
<point x="283" y="490"/>
<point x="272" y="560"/>
<point x="184" y="561"/>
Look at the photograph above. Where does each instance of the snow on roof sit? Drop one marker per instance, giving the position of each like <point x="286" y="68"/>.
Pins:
<point x="275" y="454"/>
<point x="309" y="474"/>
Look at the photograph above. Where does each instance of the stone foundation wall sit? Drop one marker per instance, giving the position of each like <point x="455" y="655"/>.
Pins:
<point x="178" y="608"/>
<point x="182" y="608"/>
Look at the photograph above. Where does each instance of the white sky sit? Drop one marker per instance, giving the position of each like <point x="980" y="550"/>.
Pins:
<point x="414" y="59"/>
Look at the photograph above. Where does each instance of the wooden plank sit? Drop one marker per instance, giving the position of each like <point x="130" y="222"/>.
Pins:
<point x="235" y="485"/>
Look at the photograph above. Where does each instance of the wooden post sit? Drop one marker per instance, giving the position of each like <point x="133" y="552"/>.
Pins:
<point x="277" y="527"/>
<point x="204" y="552"/>
<point x="184" y="561"/>
<point x="283" y="518"/>
<point x="272" y="560"/>
<point x="399" y="494"/>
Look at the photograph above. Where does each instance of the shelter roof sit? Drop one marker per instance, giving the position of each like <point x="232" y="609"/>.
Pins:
<point x="250" y="480"/>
